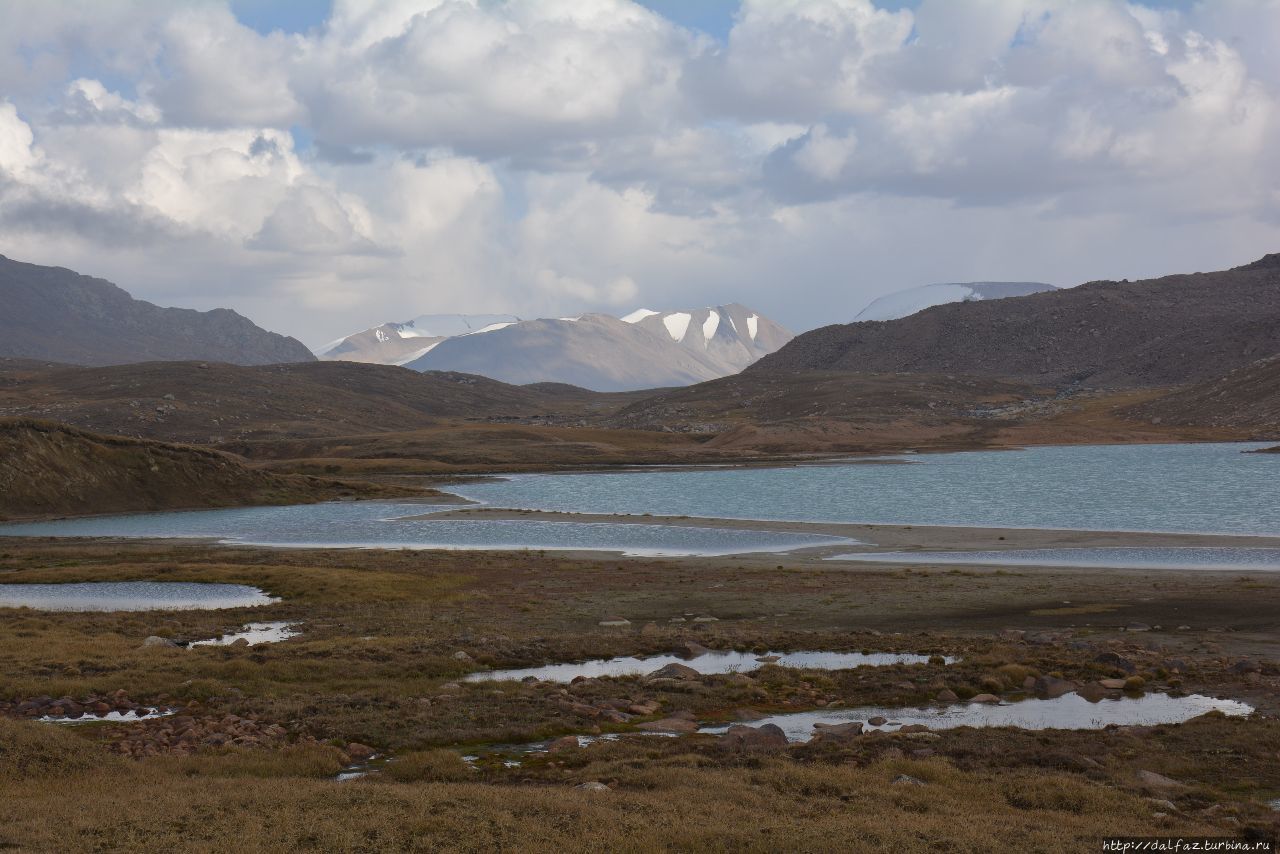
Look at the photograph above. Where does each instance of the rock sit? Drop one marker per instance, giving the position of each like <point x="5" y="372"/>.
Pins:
<point x="615" y="621"/>
<point x="1246" y="666"/>
<point x="1152" y="780"/>
<point x="240" y="642"/>
<point x="646" y="708"/>
<point x="360" y="752"/>
<point x="908" y="780"/>
<point x="984" y="698"/>
<point x="1112" y="684"/>
<point x="155" y="641"/>
<point x="740" y="738"/>
<point x="769" y="659"/>
<point x="593" y="786"/>
<point x="706" y="619"/>
<point x="836" y="732"/>
<point x="675" y="671"/>
<point x="1117" y="661"/>
<point x="689" y="649"/>
<point x="461" y="655"/>
<point x="649" y="630"/>
<point x="1051" y="687"/>
<point x="1167" y="806"/>
<point x="877" y="720"/>
<point x="568" y="742"/>
<point x="913" y="728"/>
<point x="669" y="725"/>
<point x="1092" y="691"/>
<point x="1137" y="627"/>
<point x="946" y="695"/>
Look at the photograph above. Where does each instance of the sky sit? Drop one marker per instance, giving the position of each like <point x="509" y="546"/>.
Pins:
<point x="322" y="167"/>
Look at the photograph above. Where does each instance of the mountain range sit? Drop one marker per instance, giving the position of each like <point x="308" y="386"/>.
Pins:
<point x="645" y="349"/>
<point x="58" y="315"/>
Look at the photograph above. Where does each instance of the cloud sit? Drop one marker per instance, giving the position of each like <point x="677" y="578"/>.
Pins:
<point x="559" y="156"/>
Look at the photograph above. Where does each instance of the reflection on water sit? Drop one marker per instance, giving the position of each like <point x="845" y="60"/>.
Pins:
<point x="1070" y="711"/>
<point x="254" y="634"/>
<point x="131" y="596"/>
<point x="711" y="662"/>
<point x="1192" y="557"/>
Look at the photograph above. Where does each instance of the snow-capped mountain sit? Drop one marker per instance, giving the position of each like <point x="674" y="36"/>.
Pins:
<point x="645" y="349"/>
<point x="398" y="343"/>
<point x="905" y="303"/>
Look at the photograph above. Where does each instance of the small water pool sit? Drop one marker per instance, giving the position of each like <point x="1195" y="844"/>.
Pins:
<point x="710" y="662"/>
<point x="254" y="634"/>
<point x="131" y="596"/>
<point x="1070" y="711"/>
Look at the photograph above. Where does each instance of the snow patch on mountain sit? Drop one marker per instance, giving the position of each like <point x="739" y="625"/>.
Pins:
<point x="677" y="324"/>
<point x="913" y="300"/>
<point x="638" y="315"/>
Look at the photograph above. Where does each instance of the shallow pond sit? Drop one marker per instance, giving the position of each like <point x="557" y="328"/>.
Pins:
<point x="379" y="524"/>
<point x="112" y="717"/>
<point x="1070" y="711"/>
<point x="711" y="662"/>
<point x="254" y="634"/>
<point x="131" y="596"/>
<point x="1191" y="557"/>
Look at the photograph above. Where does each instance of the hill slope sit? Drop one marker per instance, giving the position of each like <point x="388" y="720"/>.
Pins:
<point x="907" y="302"/>
<point x="55" y="314"/>
<point x="1166" y="331"/>
<point x="1248" y="397"/>
<point x="51" y="469"/>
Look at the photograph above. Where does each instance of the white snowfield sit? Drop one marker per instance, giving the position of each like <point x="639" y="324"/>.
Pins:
<point x="677" y="324"/>
<point x="913" y="300"/>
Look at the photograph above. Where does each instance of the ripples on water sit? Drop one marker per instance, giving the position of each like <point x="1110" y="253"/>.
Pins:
<point x="131" y="596"/>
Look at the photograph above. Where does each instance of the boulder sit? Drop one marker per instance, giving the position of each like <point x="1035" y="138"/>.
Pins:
<point x="689" y="649"/>
<point x="877" y="720"/>
<point x="768" y="659"/>
<point x="461" y="655"/>
<point x="617" y="622"/>
<point x="946" y="695"/>
<point x="984" y="698"/>
<point x="568" y="742"/>
<point x="675" y="670"/>
<point x="1112" y="684"/>
<point x="907" y="780"/>
<point x="836" y="732"/>
<point x="740" y="738"/>
<point x="1051" y="687"/>
<point x="593" y="786"/>
<point x="155" y="641"/>
<point x="357" y="751"/>
<point x="1092" y="691"/>
<point x="648" y="707"/>
<point x="1152" y="780"/>
<point x="706" y="618"/>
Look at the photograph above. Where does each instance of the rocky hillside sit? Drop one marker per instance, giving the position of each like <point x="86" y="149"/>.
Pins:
<point x="1167" y="331"/>
<point x="1247" y="397"/>
<point x="50" y="469"/>
<point x="54" y="314"/>
<point x="211" y="403"/>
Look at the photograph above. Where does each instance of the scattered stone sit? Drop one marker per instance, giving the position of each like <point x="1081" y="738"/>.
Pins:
<point x="672" y="724"/>
<point x="984" y="698"/>
<point x="768" y="738"/>
<point x="908" y="780"/>
<point x="675" y="670"/>
<point x="155" y="641"/>
<point x="690" y="649"/>
<point x="360" y="752"/>
<point x="1152" y="780"/>
<point x="1117" y="661"/>
<point x="568" y="742"/>
<point x="593" y="786"/>
<point x="615" y="622"/>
